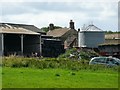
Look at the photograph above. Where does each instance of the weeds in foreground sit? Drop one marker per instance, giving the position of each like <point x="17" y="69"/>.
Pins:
<point x="45" y="63"/>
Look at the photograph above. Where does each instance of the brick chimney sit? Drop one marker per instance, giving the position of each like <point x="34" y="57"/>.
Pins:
<point x="51" y="26"/>
<point x="78" y="29"/>
<point x="71" y="25"/>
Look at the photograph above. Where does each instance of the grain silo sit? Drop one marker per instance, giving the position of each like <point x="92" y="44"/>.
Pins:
<point x="90" y="37"/>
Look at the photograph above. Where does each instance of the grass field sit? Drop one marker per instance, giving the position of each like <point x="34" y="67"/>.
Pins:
<point x="57" y="78"/>
<point x="0" y="78"/>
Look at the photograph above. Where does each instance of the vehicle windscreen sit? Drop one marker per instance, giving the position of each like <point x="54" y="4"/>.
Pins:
<point x="100" y="60"/>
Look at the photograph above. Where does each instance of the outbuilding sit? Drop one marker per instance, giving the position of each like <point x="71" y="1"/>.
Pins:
<point x="17" y="40"/>
<point x="111" y="47"/>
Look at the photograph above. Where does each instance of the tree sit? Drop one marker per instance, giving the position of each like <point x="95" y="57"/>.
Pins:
<point x="45" y="29"/>
<point x="112" y="32"/>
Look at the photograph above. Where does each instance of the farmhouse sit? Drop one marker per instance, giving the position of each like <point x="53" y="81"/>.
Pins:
<point x="68" y="36"/>
<point x="19" y="39"/>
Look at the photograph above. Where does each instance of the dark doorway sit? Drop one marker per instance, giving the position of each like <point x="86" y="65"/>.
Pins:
<point x="12" y="44"/>
<point x="31" y="44"/>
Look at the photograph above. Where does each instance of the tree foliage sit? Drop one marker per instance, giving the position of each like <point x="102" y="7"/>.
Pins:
<point x="112" y="32"/>
<point x="46" y="29"/>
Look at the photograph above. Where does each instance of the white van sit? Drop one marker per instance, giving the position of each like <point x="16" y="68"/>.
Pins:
<point x="112" y="61"/>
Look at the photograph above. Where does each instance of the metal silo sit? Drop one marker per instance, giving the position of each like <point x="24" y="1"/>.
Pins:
<point x="90" y="37"/>
<point x="81" y="38"/>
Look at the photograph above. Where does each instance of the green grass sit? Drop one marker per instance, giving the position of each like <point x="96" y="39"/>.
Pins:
<point x="58" y="78"/>
<point x="0" y="78"/>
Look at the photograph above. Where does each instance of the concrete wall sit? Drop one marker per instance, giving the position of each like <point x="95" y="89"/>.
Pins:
<point x="90" y="39"/>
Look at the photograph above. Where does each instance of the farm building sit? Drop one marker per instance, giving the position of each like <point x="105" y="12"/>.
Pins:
<point x="21" y="39"/>
<point x="68" y="36"/>
<point x="51" y="47"/>
<point x="90" y="37"/>
<point x="111" y="47"/>
<point x="15" y="39"/>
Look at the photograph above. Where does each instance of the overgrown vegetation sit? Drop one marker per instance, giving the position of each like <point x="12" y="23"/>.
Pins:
<point x="46" y="63"/>
<point x="79" y="54"/>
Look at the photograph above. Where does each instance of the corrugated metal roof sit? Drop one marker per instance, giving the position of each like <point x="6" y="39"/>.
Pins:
<point x="91" y="28"/>
<point x="28" y="27"/>
<point x="6" y="28"/>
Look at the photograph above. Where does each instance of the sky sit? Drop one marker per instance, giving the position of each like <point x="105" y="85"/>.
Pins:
<point x="102" y="13"/>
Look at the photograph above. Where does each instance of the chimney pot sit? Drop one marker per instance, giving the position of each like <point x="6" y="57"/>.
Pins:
<point x="71" y="24"/>
<point x="51" y="26"/>
<point x="78" y="29"/>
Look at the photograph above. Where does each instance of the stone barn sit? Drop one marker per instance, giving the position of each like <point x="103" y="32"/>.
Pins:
<point x="68" y="36"/>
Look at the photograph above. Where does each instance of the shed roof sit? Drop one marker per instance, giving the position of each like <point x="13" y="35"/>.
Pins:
<point x="58" y="32"/>
<point x="112" y="36"/>
<point x="7" y="28"/>
<point x="29" y="27"/>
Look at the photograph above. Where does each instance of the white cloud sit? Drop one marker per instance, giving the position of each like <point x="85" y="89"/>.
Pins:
<point x="59" y="0"/>
<point x="45" y="18"/>
<point x="42" y="14"/>
<point x="108" y="11"/>
<point x="12" y="0"/>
